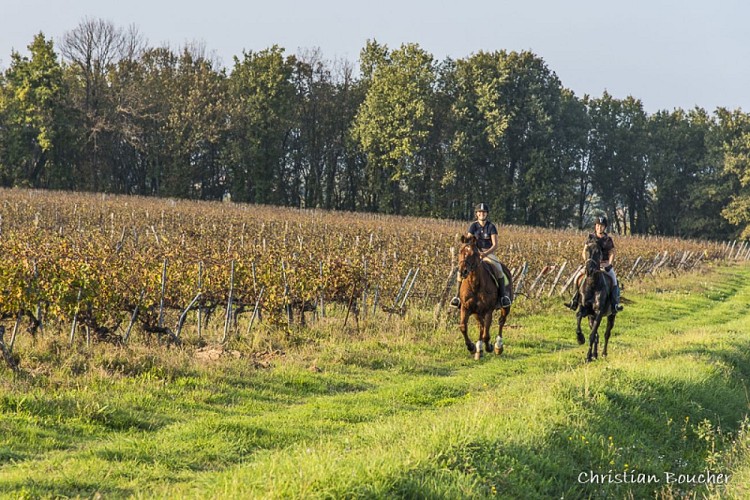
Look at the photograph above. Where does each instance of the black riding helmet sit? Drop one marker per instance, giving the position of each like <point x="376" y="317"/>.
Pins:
<point x="482" y="207"/>
<point x="601" y="219"/>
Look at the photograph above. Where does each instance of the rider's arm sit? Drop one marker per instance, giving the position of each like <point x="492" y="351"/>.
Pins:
<point x="612" y="256"/>
<point x="492" y="248"/>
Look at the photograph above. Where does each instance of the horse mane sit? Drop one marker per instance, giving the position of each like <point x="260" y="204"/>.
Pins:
<point x="468" y="240"/>
<point x="594" y="257"/>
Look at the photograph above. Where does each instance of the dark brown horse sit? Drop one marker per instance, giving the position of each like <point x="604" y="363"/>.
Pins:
<point x="595" y="289"/>
<point x="479" y="296"/>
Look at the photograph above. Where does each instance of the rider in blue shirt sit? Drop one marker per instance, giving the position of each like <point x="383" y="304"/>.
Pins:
<point x="486" y="234"/>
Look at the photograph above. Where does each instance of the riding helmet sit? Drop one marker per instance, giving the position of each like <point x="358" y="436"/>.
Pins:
<point x="601" y="219"/>
<point x="482" y="207"/>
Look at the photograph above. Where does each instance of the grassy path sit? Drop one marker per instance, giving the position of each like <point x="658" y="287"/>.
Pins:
<point x="403" y="412"/>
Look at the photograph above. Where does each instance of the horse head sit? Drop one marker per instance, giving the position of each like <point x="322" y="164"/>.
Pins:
<point x="593" y="257"/>
<point x="468" y="256"/>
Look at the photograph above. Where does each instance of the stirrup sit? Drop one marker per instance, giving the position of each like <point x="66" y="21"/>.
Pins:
<point x="618" y="307"/>
<point x="505" y="301"/>
<point x="455" y="302"/>
<point x="570" y="305"/>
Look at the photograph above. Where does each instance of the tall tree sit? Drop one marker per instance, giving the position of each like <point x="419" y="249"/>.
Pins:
<point x="30" y="104"/>
<point x="146" y="93"/>
<point x="393" y="124"/>
<point x="569" y="198"/>
<point x="197" y="125"/>
<point x="678" y="152"/>
<point x="262" y="119"/>
<point x="735" y="129"/>
<point x="618" y="150"/>
<point x="513" y="141"/>
<point x="92" y="50"/>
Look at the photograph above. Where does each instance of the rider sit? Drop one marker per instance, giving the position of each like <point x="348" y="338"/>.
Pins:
<point x="607" y="246"/>
<point x="486" y="234"/>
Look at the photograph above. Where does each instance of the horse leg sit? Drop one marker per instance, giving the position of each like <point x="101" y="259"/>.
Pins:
<point x="579" y="333"/>
<point x="594" y="338"/>
<point x="487" y="328"/>
<point x="484" y="335"/>
<point x="499" y="348"/>
<point x="463" y="326"/>
<point x="608" y="332"/>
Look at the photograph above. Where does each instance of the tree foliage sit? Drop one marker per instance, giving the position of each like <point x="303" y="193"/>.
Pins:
<point x="406" y="135"/>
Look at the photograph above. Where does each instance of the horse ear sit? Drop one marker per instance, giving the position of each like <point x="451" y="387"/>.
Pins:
<point x="464" y="239"/>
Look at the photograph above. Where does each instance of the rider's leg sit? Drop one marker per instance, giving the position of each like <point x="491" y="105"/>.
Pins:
<point x="574" y="300"/>
<point x="615" y="291"/>
<point x="503" y="296"/>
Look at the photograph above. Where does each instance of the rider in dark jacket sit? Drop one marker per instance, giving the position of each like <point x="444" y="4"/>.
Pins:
<point x="607" y="247"/>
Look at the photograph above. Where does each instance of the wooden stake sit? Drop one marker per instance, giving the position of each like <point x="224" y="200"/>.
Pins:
<point x="75" y="317"/>
<point x="228" y="316"/>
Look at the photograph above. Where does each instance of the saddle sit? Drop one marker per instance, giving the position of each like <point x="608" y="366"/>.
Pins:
<point x="499" y="275"/>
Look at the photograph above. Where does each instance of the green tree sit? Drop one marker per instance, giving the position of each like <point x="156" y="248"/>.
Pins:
<point x="197" y="126"/>
<point x="325" y="168"/>
<point x="618" y="148"/>
<point x="147" y="93"/>
<point x="678" y="161"/>
<point x="735" y="130"/>
<point x="514" y="141"/>
<point x="393" y="125"/>
<point x="262" y="97"/>
<point x="30" y="106"/>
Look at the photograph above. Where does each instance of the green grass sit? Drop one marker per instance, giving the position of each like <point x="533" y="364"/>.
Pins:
<point x="397" y="408"/>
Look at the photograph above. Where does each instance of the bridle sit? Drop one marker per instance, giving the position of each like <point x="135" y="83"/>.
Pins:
<point x="595" y="264"/>
<point x="470" y="264"/>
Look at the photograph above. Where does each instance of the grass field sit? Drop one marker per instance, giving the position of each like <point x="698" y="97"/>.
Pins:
<point x="399" y="409"/>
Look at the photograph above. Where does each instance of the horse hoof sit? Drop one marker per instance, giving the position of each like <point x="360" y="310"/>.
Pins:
<point x="472" y="348"/>
<point x="477" y="356"/>
<point x="499" y="350"/>
<point x="581" y="339"/>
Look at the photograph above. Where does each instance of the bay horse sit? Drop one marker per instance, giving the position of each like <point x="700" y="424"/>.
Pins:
<point x="595" y="299"/>
<point x="479" y="295"/>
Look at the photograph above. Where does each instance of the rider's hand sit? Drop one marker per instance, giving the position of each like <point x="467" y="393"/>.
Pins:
<point x="608" y="268"/>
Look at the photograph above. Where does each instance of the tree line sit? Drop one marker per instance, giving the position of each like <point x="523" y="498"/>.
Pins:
<point x="402" y="134"/>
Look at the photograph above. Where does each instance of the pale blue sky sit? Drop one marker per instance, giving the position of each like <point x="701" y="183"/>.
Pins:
<point x="668" y="53"/>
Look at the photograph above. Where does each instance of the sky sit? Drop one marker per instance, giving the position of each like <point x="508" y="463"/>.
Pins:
<point x="667" y="53"/>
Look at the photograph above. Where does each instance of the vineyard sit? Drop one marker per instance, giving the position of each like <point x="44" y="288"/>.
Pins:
<point x="374" y="396"/>
<point x="110" y="266"/>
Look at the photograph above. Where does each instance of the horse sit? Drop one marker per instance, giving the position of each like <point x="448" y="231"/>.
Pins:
<point x="479" y="295"/>
<point x="595" y="289"/>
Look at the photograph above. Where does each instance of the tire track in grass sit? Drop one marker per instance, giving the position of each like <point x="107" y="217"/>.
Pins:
<point x="562" y="371"/>
<point x="390" y="408"/>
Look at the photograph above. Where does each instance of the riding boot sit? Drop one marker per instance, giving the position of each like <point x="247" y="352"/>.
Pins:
<point x="573" y="304"/>
<point x="502" y="297"/>
<point x="455" y="301"/>
<point x="616" y="298"/>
